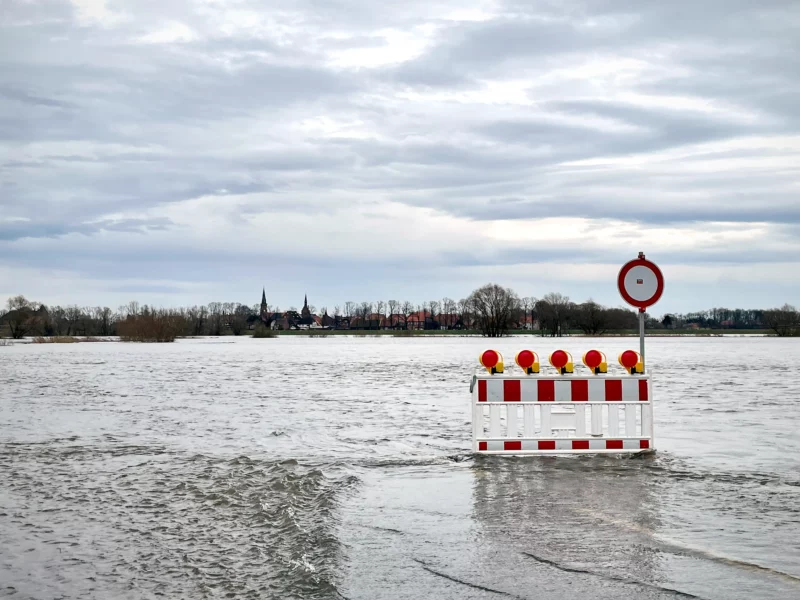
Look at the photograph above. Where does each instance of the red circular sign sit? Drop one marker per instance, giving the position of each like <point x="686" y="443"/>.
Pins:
<point x="640" y="283"/>
<point x="526" y="358"/>
<point x="490" y="359"/>
<point x="559" y="359"/>
<point x="629" y="359"/>
<point x="593" y="359"/>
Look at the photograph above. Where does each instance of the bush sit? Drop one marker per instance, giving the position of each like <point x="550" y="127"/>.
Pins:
<point x="59" y="339"/>
<point x="262" y="332"/>
<point x="153" y="326"/>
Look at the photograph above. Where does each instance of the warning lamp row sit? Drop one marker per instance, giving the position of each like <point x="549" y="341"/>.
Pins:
<point x="561" y="360"/>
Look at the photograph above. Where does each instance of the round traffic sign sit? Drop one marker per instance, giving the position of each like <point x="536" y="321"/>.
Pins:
<point x="641" y="283"/>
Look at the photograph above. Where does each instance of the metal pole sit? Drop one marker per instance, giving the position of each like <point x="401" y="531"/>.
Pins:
<point x="641" y="337"/>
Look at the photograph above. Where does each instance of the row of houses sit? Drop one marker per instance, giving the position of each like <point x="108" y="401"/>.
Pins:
<point x="420" y="320"/>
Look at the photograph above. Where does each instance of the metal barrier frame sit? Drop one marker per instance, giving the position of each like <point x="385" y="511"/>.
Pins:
<point x="563" y="430"/>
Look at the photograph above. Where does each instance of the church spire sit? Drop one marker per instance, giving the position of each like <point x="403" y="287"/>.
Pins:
<point x="305" y="301"/>
<point x="263" y="296"/>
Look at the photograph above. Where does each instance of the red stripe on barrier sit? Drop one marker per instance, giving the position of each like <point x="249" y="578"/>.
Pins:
<point x="512" y="391"/>
<point x="613" y="390"/>
<point x="614" y="445"/>
<point x="517" y="445"/>
<point x="547" y="445"/>
<point x="580" y="391"/>
<point x="643" y="395"/>
<point x="482" y="446"/>
<point x="644" y="443"/>
<point x="580" y="445"/>
<point x="547" y="391"/>
<point x="481" y="390"/>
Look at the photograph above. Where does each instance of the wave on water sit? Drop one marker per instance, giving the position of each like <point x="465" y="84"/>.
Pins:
<point x="189" y="526"/>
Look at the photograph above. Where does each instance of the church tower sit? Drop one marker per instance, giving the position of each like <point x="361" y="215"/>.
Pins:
<point x="264" y="313"/>
<point x="305" y="313"/>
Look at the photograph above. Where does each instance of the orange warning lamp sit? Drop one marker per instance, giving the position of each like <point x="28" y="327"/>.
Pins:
<point x="596" y="361"/>
<point x="632" y="362"/>
<point x="562" y="361"/>
<point x="528" y="361"/>
<point x="492" y="361"/>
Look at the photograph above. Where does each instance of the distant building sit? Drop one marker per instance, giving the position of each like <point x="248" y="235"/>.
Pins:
<point x="292" y="319"/>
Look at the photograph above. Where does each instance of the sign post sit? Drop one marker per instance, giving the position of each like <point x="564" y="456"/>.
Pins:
<point x="641" y="284"/>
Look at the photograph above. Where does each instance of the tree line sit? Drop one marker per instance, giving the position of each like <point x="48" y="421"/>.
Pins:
<point x="492" y="309"/>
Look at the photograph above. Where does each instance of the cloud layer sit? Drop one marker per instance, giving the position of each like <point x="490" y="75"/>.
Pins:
<point x="191" y="151"/>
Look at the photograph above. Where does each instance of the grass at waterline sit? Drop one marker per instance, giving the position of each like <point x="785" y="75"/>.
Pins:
<point x="64" y="339"/>
<point x="523" y="332"/>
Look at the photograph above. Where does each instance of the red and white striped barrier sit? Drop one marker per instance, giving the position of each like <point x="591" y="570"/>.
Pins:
<point x="561" y="414"/>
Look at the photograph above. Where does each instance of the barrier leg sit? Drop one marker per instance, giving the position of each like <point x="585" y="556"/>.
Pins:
<point x="512" y="430"/>
<point x="613" y="421"/>
<point x="529" y="427"/>
<point x="580" y="421"/>
<point x="647" y="420"/>
<point x="477" y="425"/>
<point x="494" y="420"/>
<point x="547" y="429"/>
<point x="630" y="420"/>
<point x="597" y="419"/>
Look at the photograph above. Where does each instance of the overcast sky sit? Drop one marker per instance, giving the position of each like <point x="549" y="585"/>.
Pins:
<point x="179" y="152"/>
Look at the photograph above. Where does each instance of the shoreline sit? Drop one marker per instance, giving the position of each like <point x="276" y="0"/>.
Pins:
<point x="5" y="342"/>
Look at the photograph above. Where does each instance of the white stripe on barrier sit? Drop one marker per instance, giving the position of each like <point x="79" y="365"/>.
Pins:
<point x="630" y="390"/>
<point x="529" y="390"/>
<point x="563" y="390"/>
<point x="494" y="390"/>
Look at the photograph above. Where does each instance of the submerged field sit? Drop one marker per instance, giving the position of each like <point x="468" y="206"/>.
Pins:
<point x="340" y="468"/>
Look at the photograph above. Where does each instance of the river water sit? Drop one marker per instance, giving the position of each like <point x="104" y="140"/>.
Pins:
<point x="341" y="468"/>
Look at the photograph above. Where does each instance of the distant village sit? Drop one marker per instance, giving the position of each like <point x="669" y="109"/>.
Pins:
<point x="552" y="315"/>
<point x="417" y="320"/>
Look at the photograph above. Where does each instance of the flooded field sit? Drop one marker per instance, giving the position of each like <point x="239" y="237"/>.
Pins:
<point x="341" y="468"/>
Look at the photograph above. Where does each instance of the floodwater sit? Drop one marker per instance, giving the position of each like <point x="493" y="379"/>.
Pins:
<point x="341" y="468"/>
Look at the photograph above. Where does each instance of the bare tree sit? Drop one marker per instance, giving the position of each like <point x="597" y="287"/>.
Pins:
<point x="494" y="308"/>
<point x="20" y="316"/>
<point x="380" y="310"/>
<point x="591" y="318"/>
<point x="406" y="309"/>
<point x="364" y="312"/>
<point x="525" y="303"/>
<point x="462" y="307"/>
<point x="554" y="312"/>
<point x="104" y="317"/>
<point x="215" y="317"/>
<point x="349" y="309"/>
<point x="73" y="316"/>
<point x="132" y="308"/>
<point x="238" y="319"/>
<point x="784" y="321"/>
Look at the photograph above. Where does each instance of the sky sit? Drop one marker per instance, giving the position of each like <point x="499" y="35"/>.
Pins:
<point x="188" y="151"/>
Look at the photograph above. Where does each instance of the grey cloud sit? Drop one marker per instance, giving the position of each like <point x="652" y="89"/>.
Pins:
<point x="18" y="229"/>
<point x="170" y="122"/>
